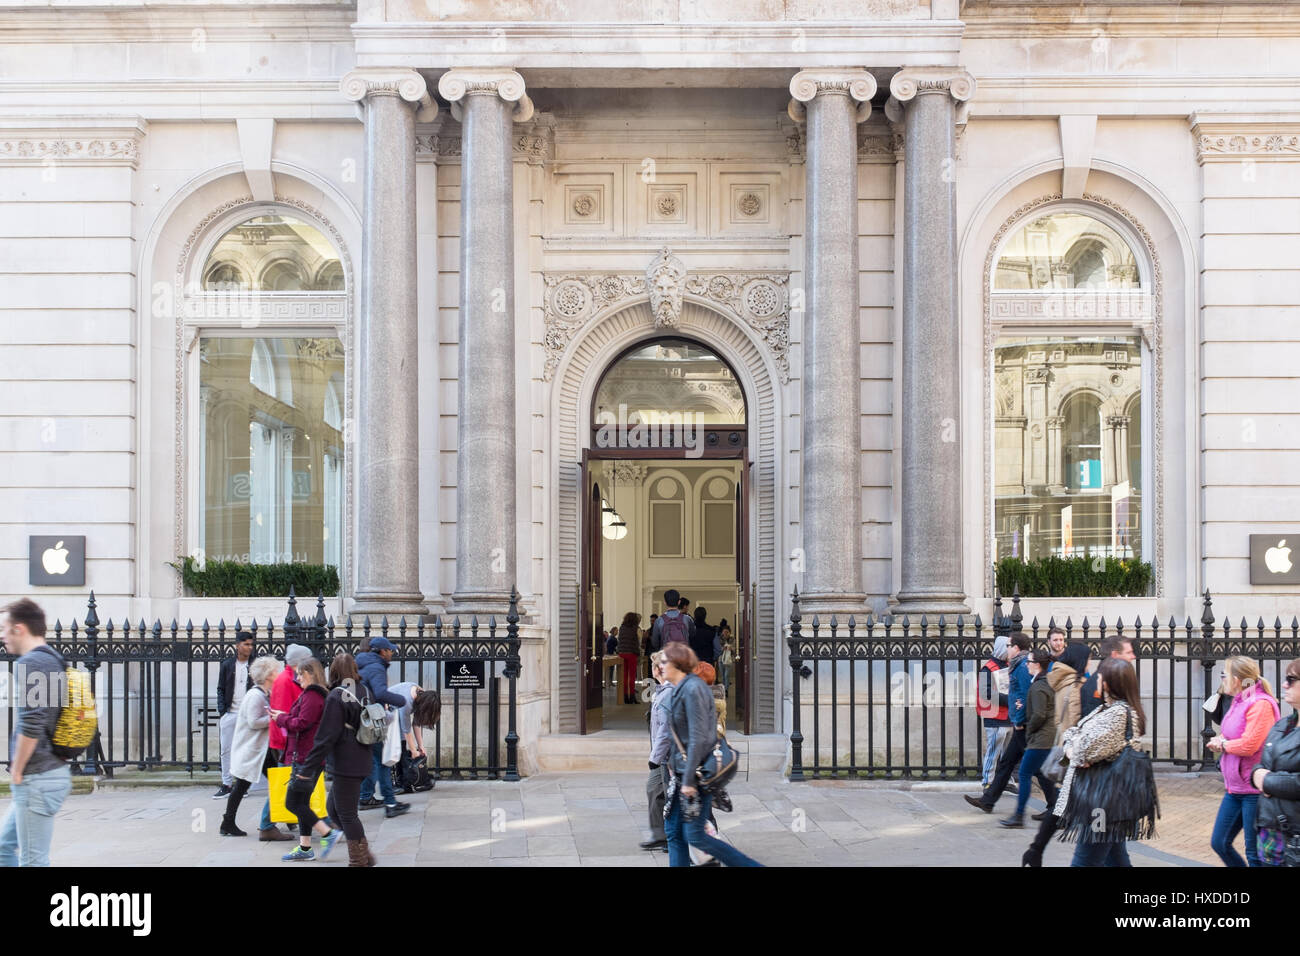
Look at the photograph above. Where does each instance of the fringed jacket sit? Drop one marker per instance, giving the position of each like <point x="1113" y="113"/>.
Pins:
<point x="1098" y="737"/>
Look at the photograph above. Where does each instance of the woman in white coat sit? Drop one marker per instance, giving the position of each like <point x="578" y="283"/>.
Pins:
<point x="248" y="750"/>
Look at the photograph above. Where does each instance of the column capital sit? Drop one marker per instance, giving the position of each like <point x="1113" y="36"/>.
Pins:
<point x="911" y="82"/>
<point x="806" y="85"/>
<point x="359" y="85"/>
<point x="455" y="85"/>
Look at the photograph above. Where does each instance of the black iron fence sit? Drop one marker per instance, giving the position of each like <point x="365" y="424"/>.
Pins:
<point x="156" y="686"/>
<point x="896" y="698"/>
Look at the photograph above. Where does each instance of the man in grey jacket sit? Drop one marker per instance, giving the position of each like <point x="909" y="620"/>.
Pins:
<point x="660" y="745"/>
<point x="40" y="781"/>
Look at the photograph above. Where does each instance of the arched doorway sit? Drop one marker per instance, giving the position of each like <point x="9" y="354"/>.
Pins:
<point x="608" y="339"/>
<point x="666" y="492"/>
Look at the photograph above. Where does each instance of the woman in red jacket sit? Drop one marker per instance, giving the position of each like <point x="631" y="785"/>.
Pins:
<point x="299" y="725"/>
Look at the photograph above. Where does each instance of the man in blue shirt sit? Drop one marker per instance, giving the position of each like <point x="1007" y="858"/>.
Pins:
<point x="1017" y="698"/>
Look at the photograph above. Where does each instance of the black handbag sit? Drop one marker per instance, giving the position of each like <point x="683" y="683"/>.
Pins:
<point x="717" y="769"/>
<point x="1113" y="801"/>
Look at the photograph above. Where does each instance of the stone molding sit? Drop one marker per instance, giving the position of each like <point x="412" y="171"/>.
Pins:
<point x="760" y="301"/>
<point x="193" y="315"/>
<point x="1258" y="137"/>
<point x="82" y="142"/>
<point x="456" y="84"/>
<point x="626" y="472"/>
<point x="1151" y="327"/>
<point x="534" y="141"/>
<point x="806" y="85"/>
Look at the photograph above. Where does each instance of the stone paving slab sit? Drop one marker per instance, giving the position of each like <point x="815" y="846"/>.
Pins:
<point x="598" y="820"/>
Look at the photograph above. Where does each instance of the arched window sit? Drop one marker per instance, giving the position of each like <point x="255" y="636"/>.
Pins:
<point x="661" y="382"/>
<point x="1066" y="250"/>
<point x="1069" y="311"/>
<point x="261" y="368"/>
<point x="1081" y="442"/>
<point x="277" y="253"/>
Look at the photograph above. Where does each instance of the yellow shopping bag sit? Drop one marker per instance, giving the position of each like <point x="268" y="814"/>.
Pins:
<point x="277" y="780"/>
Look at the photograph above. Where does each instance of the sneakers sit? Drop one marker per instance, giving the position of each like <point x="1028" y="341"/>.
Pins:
<point x="374" y="803"/>
<point x="300" y="854"/>
<point x="327" y="842"/>
<point x="222" y="792"/>
<point x="396" y="809"/>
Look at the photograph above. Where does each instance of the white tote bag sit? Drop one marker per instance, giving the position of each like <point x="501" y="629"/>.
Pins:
<point x="393" y="742"/>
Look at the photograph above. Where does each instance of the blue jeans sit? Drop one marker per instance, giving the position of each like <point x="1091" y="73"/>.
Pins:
<point x="28" y="829"/>
<point x="1101" y="854"/>
<point x="683" y="833"/>
<point x="990" y="754"/>
<point x="1237" y="811"/>
<point x="382" y="774"/>
<point x="1030" y="765"/>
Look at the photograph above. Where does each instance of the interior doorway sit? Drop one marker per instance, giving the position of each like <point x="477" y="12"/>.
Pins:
<point x="665" y="506"/>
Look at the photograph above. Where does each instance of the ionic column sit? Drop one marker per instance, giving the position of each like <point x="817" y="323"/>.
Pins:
<point x="487" y="102"/>
<point x="931" y="466"/>
<point x="832" y="102"/>
<point x="387" y="434"/>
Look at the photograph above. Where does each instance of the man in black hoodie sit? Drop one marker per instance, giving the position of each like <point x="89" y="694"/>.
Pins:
<point x="373" y="666"/>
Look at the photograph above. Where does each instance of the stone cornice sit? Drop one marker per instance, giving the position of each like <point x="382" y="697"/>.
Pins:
<point x="1256" y="136"/>
<point x="87" y="141"/>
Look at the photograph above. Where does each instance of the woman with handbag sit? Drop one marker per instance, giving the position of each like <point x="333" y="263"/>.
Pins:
<point x="1109" y="794"/>
<point x="1067" y="680"/>
<point x="248" y="751"/>
<point x="299" y="726"/>
<point x="336" y="736"/>
<point x="1240" y="740"/>
<point x="693" y="727"/>
<point x="1040" y="732"/>
<point x="1277" y="777"/>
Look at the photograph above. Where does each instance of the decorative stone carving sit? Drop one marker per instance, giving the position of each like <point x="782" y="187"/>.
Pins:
<point x="664" y="277"/>
<point x="357" y="85"/>
<point x="625" y="472"/>
<point x="807" y="84"/>
<point x="456" y="84"/>
<point x="760" y="301"/>
<point x="584" y="204"/>
<point x="1248" y="145"/>
<point x="749" y="204"/>
<point x="667" y="205"/>
<point x="913" y="81"/>
<point x="83" y="151"/>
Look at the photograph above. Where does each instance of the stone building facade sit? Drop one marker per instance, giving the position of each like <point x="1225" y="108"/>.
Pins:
<point x="970" y="265"/>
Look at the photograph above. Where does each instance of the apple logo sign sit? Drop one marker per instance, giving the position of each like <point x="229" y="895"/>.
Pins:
<point x="56" y="560"/>
<point x="1277" y="559"/>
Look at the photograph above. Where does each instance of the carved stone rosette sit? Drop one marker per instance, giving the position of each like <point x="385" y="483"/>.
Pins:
<point x="760" y="301"/>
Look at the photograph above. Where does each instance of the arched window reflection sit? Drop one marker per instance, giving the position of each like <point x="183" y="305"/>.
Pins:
<point x="273" y="253"/>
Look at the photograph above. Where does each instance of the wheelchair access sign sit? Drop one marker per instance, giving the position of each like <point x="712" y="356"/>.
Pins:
<point x="463" y="675"/>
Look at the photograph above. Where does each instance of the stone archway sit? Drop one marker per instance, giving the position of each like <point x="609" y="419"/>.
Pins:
<point x="577" y="374"/>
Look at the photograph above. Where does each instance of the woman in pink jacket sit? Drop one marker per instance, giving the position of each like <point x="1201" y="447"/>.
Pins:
<point x="1240" y="742"/>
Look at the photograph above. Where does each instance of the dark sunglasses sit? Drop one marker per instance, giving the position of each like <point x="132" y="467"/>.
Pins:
<point x="1290" y="679"/>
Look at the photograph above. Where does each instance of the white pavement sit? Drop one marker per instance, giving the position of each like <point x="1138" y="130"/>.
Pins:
<point x="578" y="820"/>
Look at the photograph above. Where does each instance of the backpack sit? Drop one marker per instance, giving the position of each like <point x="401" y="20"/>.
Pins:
<point x="674" y="629"/>
<point x="77" y="724"/>
<point x="373" y="726"/>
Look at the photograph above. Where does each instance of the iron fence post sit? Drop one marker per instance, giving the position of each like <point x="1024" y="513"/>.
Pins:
<point x="1207" y="667"/>
<point x="512" y="675"/>
<point x="796" y="664"/>
<point x="95" y="753"/>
